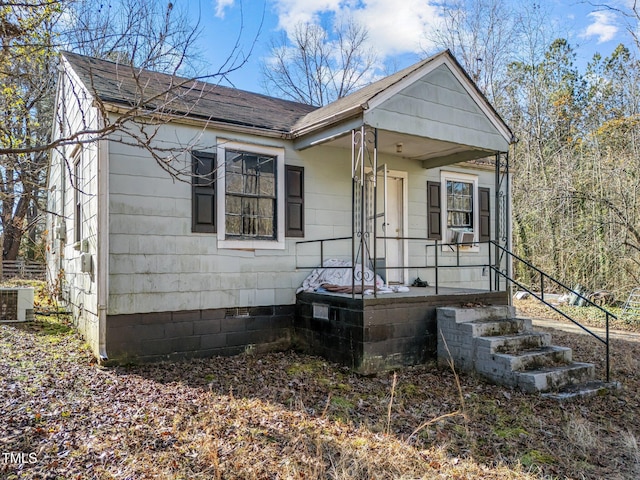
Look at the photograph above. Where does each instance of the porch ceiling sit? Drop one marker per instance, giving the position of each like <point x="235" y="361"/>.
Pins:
<point x="431" y="152"/>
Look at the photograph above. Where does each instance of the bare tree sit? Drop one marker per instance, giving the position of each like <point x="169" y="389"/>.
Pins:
<point x="315" y="66"/>
<point x="135" y="33"/>
<point x="482" y="35"/>
<point x="27" y="76"/>
<point x="152" y="35"/>
<point x="628" y="12"/>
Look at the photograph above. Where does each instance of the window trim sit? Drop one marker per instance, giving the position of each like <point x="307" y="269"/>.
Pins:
<point x="241" y="243"/>
<point x="447" y="233"/>
<point x="77" y="197"/>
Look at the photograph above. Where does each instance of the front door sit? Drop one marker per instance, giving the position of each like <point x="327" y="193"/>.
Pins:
<point x="390" y="220"/>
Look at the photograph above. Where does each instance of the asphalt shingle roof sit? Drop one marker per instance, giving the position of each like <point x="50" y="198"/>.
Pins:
<point x="121" y="84"/>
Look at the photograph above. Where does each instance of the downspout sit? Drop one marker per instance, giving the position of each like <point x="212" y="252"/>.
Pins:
<point x="62" y="220"/>
<point x="103" y="243"/>
<point x="509" y="227"/>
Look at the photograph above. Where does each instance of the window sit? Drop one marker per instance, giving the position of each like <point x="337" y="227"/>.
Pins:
<point x="77" y="197"/>
<point x="248" y="197"/>
<point x="460" y="205"/>
<point x="457" y="204"/>
<point x="250" y="204"/>
<point x="251" y="208"/>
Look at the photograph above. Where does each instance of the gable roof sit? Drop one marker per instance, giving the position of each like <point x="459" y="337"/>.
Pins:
<point x="122" y="84"/>
<point x="361" y="100"/>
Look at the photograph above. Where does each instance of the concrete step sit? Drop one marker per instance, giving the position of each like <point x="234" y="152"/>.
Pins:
<point x="582" y="390"/>
<point x="537" y="358"/>
<point x="513" y="344"/>
<point x="494" y="328"/>
<point x="555" y="378"/>
<point x="464" y="315"/>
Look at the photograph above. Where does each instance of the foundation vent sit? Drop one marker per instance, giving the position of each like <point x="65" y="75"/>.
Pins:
<point x="321" y="311"/>
<point x="237" y="312"/>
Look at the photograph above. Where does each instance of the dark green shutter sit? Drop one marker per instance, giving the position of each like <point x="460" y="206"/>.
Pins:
<point x="294" y="201"/>
<point x="485" y="214"/>
<point x="203" y="182"/>
<point x="434" y="211"/>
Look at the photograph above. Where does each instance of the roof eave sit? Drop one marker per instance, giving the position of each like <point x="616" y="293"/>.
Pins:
<point x="194" y="120"/>
<point x="330" y="120"/>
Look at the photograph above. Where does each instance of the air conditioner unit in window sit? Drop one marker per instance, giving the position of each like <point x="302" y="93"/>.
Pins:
<point x="16" y="304"/>
<point x="465" y="239"/>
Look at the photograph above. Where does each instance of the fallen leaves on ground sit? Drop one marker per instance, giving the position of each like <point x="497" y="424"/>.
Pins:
<point x="287" y="415"/>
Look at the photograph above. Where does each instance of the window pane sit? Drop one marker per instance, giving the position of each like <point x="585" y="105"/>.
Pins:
<point x="250" y="164"/>
<point x="249" y="226"/>
<point x="267" y="165"/>
<point x="249" y="206"/>
<point x="265" y="207"/>
<point x="459" y="204"/>
<point x="232" y="224"/>
<point x="267" y="184"/>
<point x="265" y="227"/>
<point x="234" y="183"/>
<point x="234" y="205"/>
<point x="251" y="184"/>
<point x="233" y="161"/>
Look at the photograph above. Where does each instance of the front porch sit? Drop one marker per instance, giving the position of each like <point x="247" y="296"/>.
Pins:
<point x="375" y="333"/>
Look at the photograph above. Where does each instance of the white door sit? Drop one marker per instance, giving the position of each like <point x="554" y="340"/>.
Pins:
<point x="389" y="220"/>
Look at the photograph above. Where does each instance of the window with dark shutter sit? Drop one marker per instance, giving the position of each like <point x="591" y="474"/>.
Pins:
<point x="203" y="192"/>
<point x="485" y="214"/>
<point x="294" y="205"/>
<point x="434" y="211"/>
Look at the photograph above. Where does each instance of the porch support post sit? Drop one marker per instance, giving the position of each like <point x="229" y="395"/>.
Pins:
<point x="361" y="141"/>
<point x="363" y="224"/>
<point x="502" y="218"/>
<point x="353" y="204"/>
<point x="507" y="227"/>
<point x="497" y="219"/>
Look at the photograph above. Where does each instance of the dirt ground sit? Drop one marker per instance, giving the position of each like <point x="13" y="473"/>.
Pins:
<point x="287" y="415"/>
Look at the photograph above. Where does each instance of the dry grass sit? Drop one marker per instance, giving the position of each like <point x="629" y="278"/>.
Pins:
<point x="294" y="416"/>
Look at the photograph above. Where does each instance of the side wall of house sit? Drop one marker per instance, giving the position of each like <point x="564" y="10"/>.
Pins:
<point x="72" y="223"/>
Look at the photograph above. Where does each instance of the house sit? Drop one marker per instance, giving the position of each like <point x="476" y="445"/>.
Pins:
<point x="187" y="224"/>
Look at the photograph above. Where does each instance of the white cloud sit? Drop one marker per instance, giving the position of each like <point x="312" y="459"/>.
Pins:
<point x="221" y="6"/>
<point x="603" y="27"/>
<point x="397" y="27"/>
<point x="292" y="12"/>
<point x="394" y="27"/>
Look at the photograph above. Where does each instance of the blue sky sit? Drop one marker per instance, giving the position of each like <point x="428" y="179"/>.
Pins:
<point x="396" y="28"/>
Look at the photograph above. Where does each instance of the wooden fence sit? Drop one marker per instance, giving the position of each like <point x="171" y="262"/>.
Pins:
<point x="23" y="269"/>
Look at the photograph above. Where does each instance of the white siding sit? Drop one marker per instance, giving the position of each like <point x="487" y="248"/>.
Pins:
<point x="74" y="113"/>
<point x="437" y="106"/>
<point x="157" y="264"/>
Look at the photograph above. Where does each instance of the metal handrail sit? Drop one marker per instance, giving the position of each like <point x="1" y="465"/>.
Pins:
<point x="497" y="273"/>
<point x="543" y="275"/>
